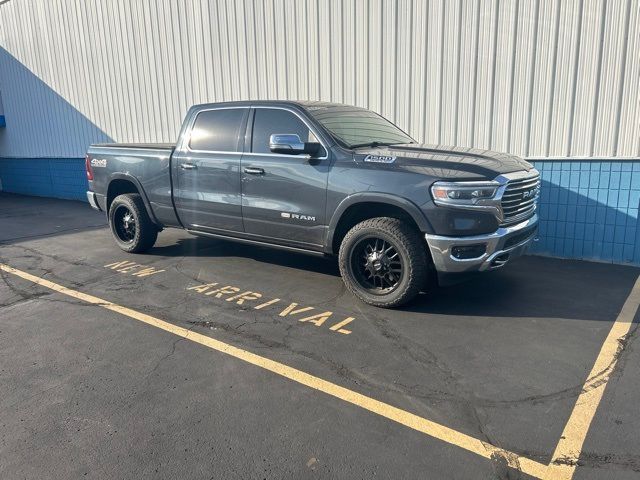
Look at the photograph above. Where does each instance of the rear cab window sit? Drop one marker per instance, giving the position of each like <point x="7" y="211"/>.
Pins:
<point x="217" y="130"/>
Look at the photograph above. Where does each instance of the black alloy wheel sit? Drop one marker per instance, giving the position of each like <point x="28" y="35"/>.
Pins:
<point x="124" y="224"/>
<point x="131" y="226"/>
<point x="377" y="265"/>
<point x="384" y="261"/>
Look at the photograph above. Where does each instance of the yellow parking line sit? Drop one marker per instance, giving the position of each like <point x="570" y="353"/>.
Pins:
<point x="567" y="452"/>
<point x="415" y="422"/>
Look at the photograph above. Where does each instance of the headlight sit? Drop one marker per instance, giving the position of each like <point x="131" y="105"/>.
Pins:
<point x="464" y="193"/>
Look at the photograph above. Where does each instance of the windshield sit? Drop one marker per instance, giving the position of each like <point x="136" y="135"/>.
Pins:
<point x="357" y="127"/>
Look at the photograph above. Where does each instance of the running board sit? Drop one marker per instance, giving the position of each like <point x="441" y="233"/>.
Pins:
<point x="257" y="243"/>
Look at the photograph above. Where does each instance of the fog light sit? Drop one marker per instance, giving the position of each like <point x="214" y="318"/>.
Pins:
<point x="465" y="252"/>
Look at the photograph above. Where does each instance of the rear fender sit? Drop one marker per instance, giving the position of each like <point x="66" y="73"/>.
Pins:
<point x="141" y="191"/>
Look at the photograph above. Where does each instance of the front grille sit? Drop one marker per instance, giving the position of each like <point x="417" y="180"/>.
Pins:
<point x="519" y="199"/>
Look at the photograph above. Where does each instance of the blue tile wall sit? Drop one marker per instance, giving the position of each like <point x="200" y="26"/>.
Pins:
<point x="589" y="210"/>
<point x="46" y="177"/>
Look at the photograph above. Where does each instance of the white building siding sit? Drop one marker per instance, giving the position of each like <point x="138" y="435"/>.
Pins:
<point x="538" y="78"/>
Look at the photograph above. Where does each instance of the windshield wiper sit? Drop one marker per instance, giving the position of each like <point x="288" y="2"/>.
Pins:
<point x="376" y="144"/>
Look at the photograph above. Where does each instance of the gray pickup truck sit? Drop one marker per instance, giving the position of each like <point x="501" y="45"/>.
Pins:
<point x="325" y="179"/>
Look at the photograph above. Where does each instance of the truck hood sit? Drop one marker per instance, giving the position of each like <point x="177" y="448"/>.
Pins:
<point x="455" y="163"/>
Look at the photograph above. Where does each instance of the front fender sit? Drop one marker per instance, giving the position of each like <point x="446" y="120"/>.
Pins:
<point x="378" y="197"/>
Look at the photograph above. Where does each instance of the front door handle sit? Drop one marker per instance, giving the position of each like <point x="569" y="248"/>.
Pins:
<point x="254" y="171"/>
<point x="188" y="166"/>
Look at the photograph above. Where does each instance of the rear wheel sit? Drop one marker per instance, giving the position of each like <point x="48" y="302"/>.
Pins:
<point x="130" y="224"/>
<point x="383" y="262"/>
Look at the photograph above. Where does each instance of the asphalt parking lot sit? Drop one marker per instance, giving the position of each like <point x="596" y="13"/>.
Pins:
<point x="207" y="359"/>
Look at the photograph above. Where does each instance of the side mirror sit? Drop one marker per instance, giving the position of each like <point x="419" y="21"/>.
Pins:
<point x="290" y="144"/>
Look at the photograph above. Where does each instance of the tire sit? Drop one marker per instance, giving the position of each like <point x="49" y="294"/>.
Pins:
<point x="403" y="270"/>
<point x="130" y="224"/>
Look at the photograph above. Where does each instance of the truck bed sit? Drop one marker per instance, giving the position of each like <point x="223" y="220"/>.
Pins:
<point x="149" y="146"/>
<point x="147" y="166"/>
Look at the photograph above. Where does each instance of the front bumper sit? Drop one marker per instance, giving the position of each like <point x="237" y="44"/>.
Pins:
<point x="500" y="247"/>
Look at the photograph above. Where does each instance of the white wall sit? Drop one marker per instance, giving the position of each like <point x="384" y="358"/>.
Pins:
<point x="533" y="77"/>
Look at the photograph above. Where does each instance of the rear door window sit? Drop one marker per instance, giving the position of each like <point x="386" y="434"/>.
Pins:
<point x="217" y="130"/>
<point x="269" y="121"/>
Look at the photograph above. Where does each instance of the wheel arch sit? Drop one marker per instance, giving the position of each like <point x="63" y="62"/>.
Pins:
<point x="356" y="208"/>
<point x="122" y="183"/>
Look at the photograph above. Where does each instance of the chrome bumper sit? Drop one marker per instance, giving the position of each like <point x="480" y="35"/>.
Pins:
<point x="501" y="246"/>
<point x="93" y="200"/>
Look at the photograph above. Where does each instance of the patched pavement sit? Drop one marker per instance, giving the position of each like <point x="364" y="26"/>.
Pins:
<point x="501" y="359"/>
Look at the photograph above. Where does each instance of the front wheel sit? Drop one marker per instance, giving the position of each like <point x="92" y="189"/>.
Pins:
<point x="383" y="261"/>
<point x="130" y="224"/>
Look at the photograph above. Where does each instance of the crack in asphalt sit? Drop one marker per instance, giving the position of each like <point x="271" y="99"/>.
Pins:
<point x="504" y="463"/>
<point x="615" y="368"/>
<point x="26" y="296"/>
<point x="501" y="461"/>
<point x="599" y="460"/>
<point x="22" y="299"/>
<point x="30" y="397"/>
<point x="147" y="376"/>
<point x="339" y="368"/>
<point x="164" y="358"/>
<point x="37" y="255"/>
<point x="10" y="241"/>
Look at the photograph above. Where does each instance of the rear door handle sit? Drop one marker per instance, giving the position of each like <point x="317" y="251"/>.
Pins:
<point x="254" y="171"/>
<point x="188" y="166"/>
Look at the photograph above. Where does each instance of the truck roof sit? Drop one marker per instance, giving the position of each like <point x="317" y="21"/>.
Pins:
<point x="273" y="103"/>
